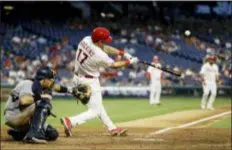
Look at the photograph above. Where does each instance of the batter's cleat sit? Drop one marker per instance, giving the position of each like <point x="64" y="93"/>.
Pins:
<point x="118" y="132"/>
<point x="65" y="121"/>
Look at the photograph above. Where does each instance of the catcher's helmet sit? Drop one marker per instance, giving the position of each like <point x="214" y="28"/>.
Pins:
<point x="101" y="34"/>
<point x="45" y="73"/>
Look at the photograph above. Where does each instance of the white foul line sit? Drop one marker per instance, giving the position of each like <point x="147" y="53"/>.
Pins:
<point x="190" y="123"/>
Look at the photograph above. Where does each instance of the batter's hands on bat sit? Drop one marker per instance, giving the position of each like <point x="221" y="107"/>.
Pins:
<point x="127" y="56"/>
<point x="134" y="60"/>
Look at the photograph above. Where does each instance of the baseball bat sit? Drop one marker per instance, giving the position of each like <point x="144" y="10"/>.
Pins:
<point x="161" y="68"/>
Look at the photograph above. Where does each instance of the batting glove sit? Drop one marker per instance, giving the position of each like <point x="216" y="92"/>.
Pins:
<point x="134" y="60"/>
<point x="127" y="56"/>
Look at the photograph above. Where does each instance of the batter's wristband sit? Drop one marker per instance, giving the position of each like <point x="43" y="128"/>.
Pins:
<point x="127" y="62"/>
<point x="121" y="53"/>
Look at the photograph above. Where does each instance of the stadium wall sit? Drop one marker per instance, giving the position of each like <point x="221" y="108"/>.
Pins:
<point x="126" y="91"/>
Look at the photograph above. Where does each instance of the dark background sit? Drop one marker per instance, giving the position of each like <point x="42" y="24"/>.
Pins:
<point x="59" y="11"/>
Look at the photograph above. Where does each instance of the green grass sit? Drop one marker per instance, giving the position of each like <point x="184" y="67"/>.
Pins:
<point x="224" y="123"/>
<point x="121" y="110"/>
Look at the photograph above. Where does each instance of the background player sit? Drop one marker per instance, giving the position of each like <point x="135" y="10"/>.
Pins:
<point x="155" y="75"/>
<point x="28" y="107"/>
<point x="210" y="76"/>
<point x="92" y="55"/>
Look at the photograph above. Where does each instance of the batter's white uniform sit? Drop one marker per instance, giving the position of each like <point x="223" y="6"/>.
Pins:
<point x="155" y="84"/>
<point x="89" y="58"/>
<point x="209" y="73"/>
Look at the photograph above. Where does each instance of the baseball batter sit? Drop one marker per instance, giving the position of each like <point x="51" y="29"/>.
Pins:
<point x="210" y="76"/>
<point x="29" y="105"/>
<point x="155" y="75"/>
<point x="91" y="55"/>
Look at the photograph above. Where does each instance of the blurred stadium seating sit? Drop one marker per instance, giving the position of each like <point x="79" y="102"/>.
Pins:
<point x="28" y="44"/>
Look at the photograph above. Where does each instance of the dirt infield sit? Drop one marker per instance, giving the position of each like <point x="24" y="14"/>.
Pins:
<point x="94" y="138"/>
<point x="138" y="137"/>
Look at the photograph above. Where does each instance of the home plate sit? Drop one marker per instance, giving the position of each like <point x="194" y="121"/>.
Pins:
<point x="149" y="139"/>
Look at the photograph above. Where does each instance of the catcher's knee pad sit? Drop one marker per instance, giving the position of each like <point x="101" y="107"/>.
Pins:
<point x="51" y="133"/>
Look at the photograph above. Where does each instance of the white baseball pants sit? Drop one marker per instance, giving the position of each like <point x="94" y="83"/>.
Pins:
<point x="155" y="91"/>
<point x="207" y="88"/>
<point x="95" y="106"/>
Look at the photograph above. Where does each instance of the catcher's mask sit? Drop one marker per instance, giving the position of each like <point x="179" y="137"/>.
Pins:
<point x="46" y="76"/>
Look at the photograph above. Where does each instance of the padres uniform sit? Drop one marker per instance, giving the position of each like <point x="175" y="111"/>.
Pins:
<point x="28" y="107"/>
<point x="14" y="117"/>
<point x="209" y="73"/>
<point x="155" y="83"/>
<point x="89" y="58"/>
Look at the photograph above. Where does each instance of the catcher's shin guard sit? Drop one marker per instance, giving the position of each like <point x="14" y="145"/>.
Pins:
<point x="36" y="133"/>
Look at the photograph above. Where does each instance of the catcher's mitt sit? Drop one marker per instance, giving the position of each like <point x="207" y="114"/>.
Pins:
<point x="82" y="92"/>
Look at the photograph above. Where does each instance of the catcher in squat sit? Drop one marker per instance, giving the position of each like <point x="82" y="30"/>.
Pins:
<point x="29" y="105"/>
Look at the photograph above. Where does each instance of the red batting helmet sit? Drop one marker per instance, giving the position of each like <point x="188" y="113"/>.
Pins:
<point x="101" y="34"/>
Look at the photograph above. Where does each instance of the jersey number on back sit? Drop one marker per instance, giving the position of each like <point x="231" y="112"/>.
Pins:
<point x="85" y="56"/>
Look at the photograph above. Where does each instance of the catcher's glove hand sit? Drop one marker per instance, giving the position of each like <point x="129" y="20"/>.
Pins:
<point x="82" y="92"/>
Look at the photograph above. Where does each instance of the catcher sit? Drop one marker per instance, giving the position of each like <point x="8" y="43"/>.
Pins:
<point x="29" y="105"/>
